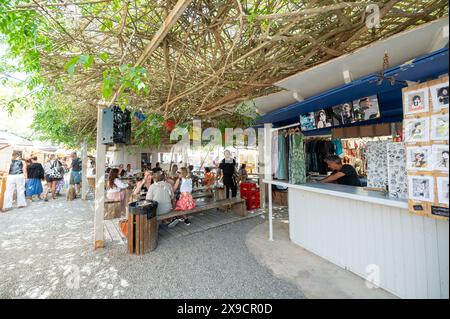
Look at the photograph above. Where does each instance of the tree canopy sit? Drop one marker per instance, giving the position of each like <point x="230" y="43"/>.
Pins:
<point x="219" y="54"/>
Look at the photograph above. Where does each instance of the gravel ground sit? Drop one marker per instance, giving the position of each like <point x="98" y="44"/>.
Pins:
<point x="46" y="252"/>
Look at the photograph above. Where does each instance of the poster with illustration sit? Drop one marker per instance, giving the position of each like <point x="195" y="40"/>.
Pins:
<point x="416" y="101"/>
<point x="366" y="108"/>
<point x="324" y="118"/>
<point x="440" y="157"/>
<point x="307" y="122"/>
<point x="377" y="166"/>
<point x="439" y="127"/>
<point x="343" y="114"/>
<point x="419" y="158"/>
<point x="421" y="188"/>
<point x="443" y="190"/>
<point x="439" y="96"/>
<point x="417" y="130"/>
<point x="397" y="175"/>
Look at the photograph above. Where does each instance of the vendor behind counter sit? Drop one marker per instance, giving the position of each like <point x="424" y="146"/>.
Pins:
<point x="344" y="174"/>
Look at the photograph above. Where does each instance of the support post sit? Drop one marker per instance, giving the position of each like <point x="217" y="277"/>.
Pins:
<point x="268" y="171"/>
<point x="84" y="160"/>
<point x="261" y="169"/>
<point x="99" y="241"/>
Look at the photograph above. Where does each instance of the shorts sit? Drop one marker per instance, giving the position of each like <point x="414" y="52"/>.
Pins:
<point x="75" y="178"/>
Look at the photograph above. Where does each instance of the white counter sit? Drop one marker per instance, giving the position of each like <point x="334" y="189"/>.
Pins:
<point x="373" y="236"/>
<point x="344" y="191"/>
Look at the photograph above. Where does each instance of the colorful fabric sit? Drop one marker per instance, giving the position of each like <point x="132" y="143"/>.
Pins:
<point x="75" y="177"/>
<point x="33" y="187"/>
<point x="298" y="165"/>
<point x="282" y="167"/>
<point x="186" y="202"/>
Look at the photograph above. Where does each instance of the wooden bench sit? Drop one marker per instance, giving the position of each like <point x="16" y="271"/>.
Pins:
<point x="227" y="204"/>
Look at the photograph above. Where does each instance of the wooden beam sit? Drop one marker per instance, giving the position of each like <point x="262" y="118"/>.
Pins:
<point x="159" y="36"/>
<point x="99" y="240"/>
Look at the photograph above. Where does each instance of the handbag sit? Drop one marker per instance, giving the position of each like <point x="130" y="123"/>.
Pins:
<point x="123" y="226"/>
<point x="55" y="171"/>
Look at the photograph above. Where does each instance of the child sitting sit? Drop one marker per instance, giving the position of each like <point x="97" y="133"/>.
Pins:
<point x="185" y="202"/>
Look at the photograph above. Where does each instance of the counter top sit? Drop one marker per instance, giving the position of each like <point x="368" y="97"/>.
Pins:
<point x="344" y="191"/>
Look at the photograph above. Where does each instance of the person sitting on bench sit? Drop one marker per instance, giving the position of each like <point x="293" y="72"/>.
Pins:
<point x="117" y="189"/>
<point x="161" y="191"/>
<point x="186" y="202"/>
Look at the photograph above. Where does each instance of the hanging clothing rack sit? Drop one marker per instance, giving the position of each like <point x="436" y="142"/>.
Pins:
<point x="285" y="127"/>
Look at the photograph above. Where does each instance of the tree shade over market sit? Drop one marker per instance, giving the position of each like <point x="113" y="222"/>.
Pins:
<point x="216" y="56"/>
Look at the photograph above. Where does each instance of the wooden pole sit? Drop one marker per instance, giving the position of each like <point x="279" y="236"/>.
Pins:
<point x="99" y="241"/>
<point x="84" y="160"/>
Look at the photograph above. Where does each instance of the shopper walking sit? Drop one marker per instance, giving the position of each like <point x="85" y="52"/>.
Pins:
<point x="35" y="173"/>
<point x="54" y="172"/>
<point x="15" y="182"/>
<point x="228" y="168"/>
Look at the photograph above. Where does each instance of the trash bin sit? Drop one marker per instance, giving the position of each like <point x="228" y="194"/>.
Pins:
<point x="142" y="227"/>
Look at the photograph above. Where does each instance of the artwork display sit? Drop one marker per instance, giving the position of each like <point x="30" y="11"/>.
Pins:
<point x="419" y="158"/>
<point x="421" y="188"/>
<point x="366" y="108"/>
<point x="439" y="127"/>
<point x="323" y="118"/>
<point x="442" y="190"/>
<point x="397" y="175"/>
<point x="416" y="101"/>
<point x="308" y="122"/>
<point x="440" y="157"/>
<point x="417" y="130"/>
<point x="343" y="114"/>
<point x="377" y="168"/>
<point x="439" y="95"/>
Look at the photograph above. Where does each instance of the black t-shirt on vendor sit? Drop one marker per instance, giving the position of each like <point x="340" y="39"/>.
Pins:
<point x="351" y="177"/>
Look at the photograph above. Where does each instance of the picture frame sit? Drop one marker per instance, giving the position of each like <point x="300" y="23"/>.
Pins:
<point x="421" y="188"/>
<point x="366" y="108"/>
<point x="343" y="114"/>
<point x="440" y="157"/>
<point x="417" y="130"/>
<point x="442" y="190"/>
<point x="419" y="158"/>
<point x="323" y="118"/>
<point x="439" y="96"/>
<point x="416" y="102"/>
<point x="307" y="122"/>
<point x="439" y="127"/>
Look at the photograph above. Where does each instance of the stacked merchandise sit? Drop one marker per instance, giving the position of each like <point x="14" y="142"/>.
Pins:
<point x="426" y="131"/>
<point x="354" y="152"/>
<point x="250" y="192"/>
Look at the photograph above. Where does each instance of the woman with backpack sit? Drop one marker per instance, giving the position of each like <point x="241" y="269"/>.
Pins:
<point x="54" y="172"/>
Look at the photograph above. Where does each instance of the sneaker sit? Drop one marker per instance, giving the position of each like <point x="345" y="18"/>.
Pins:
<point x="187" y="222"/>
<point x="173" y="223"/>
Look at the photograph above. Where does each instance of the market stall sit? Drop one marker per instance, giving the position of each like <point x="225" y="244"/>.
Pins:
<point x="371" y="230"/>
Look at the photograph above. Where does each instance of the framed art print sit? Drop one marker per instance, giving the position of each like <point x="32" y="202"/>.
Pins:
<point x="439" y="127"/>
<point x="421" y="188"/>
<point x="417" y="130"/>
<point x="416" y="101"/>
<point x="442" y="190"/>
<point x="440" y="158"/>
<point x="439" y="96"/>
<point x="419" y="158"/>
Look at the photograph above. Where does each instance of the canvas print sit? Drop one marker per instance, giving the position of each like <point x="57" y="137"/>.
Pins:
<point x="417" y="130"/>
<point x="419" y="158"/>
<point x="343" y="114"/>
<point x="377" y="170"/>
<point x="416" y="101"/>
<point x="307" y="122"/>
<point x="397" y="175"/>
<point x="439" y="127"/>
<point x="440" y="157"/>
<point x="443" y="190"/>
<point x="439" y="95"/>
<point x="366" y="108"/>
<point x="324" y="118"/>
<point x="421" y="188"/>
